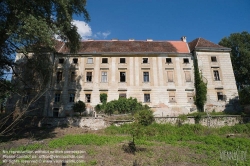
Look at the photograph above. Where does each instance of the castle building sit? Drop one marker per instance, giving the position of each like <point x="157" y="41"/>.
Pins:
<point x="157" y="73"/>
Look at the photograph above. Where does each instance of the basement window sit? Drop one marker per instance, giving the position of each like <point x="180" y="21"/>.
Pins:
<point x="122" y="95"/>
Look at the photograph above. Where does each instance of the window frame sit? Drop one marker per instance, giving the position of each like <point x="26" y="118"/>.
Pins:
<point x="124" y="95"/>
<point x="213" y="59"/>
<point x="59" y="76"/>
<point x="90" y="60"/>
<point x="88" y="98"/>
<point x="146" y="98"/>
<point x="105" y="60"/>
<point x="122" y="59"/>
<point x="185" y="60"/>
<point x="104" y="77"/>
<point x="61" y="60"/>
<point x="72" y="97"/>
<point x="57" y="97"/>
<point x="145" y="76"/>
<point x="216" y="75"/>
<point x="167" y="60"/>
<point x="122" y="72"/>
<point x="89" y="78"/>
<point x="75" y="60"/>
<point x="145" y="60"/>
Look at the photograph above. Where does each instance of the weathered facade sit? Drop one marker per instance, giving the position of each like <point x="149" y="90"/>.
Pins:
<point x="157" y="73"/>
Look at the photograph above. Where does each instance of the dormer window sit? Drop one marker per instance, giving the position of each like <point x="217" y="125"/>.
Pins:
<point x="144" y="60"/>
<point x="213" y="59"/>
<point x="61" y="60"/>
<point x="168" y="60"/>
<point x="185" y="60"/>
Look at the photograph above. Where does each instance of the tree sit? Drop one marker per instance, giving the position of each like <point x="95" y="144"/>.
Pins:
<point x="79" y="107"/>
<point x="240" y="56"/>
<point x="35" y="23"/>
<point x="144" y="117"/>
<point x="33" y="26"/>
<point x="103" y="98"/>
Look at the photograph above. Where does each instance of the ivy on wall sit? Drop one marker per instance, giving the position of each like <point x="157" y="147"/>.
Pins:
<point x="200" y="88"/>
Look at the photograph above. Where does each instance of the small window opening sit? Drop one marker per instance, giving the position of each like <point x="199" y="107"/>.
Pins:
<point x="104" y="60"/>
<point x="144" y="60"/>
<point x="122" y="60"/>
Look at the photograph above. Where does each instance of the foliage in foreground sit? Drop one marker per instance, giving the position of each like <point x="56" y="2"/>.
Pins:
<point x="79" y="106"/>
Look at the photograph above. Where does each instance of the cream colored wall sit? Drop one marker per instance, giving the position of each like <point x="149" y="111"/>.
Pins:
<point x="226" y="85"/>
<point x="157" y="87"/>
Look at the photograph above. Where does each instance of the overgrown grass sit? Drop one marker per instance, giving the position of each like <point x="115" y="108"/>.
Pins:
<point x="204" y="140"/>
<point x="85" y="139"/>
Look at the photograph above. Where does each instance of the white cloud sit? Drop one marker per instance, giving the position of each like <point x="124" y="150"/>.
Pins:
<point x="83" y="29"/>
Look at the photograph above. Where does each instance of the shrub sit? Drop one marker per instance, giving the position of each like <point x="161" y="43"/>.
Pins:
<point x="144" y="117"/>
<point x="79" y="107"/>
<point x="103" y="98"/>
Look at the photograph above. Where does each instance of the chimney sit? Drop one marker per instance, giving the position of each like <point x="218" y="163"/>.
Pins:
<point x="184" y="38"/>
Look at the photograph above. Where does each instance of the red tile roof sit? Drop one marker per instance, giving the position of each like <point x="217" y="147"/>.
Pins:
<point x="202" y="43"/>
<point x="128" y="47"/>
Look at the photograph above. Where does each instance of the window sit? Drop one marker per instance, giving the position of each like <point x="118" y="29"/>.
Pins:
<point x="213" y="59"/>
<point x="75" y="60"/>
<point x="88" y="98"/>
<point x="71" y="97"/>
<point x="216" y="75"/>
<point x="187" y="76"/>
<point x="89" y="77"/>
<point x="122" y="60"/>
<point x="122" y="77"/>
<point x="61" y="60"/>
<point x="220" y="96"/>
<point x="146" y="98"/>
<point x="170" y="75"/>
<point x="26" y="98"/>
<point x="190" y="97"/>
<point x="57" y="97"/>
<point x="73" y="76"/>
<point x="90" y="60"/>
<point x="59" y="76"/>
<point x="144" y="60"/>
<point x="185" y="60"/>
<point x="56" y="112"/>
<point x="122" y="95"/>
<point x="104" y="60"/>
<point x="145" y="76"/>
<point x="104" y="77"/>
<point x="171" y="97"/>
<point x="168" y="60"/>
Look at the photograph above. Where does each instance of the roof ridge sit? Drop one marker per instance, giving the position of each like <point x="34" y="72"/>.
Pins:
<point x="197" y="42"/>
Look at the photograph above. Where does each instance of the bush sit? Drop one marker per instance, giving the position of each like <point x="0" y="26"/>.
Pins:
<point x="144" y="117"/>
<point x="79" y="107"/>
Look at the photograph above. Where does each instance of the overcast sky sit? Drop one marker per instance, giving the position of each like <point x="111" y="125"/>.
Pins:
<point x="164" y="19"/>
